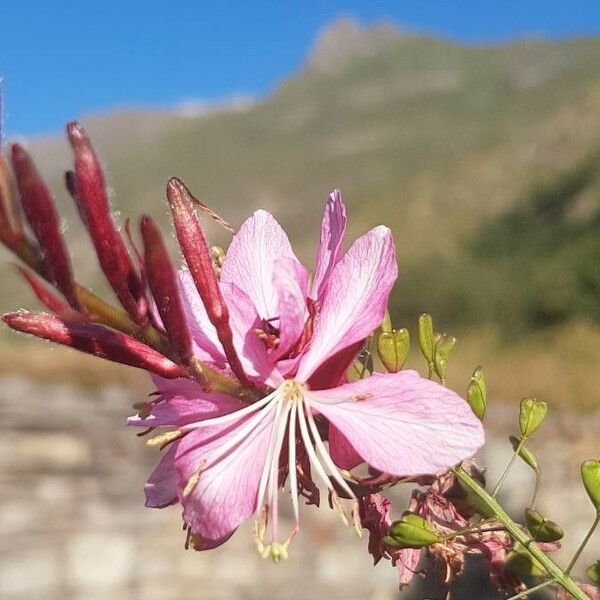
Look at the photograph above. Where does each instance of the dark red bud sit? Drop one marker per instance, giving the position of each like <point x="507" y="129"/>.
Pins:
<point x="164" y="285"/>
<point x="197" y="256"/>
<point x="89" y="192"/>
<point x="38" y="206"/>
<point x="96" y="340"/>
<point x="47" y="298"/>
<point x="11" y="230"/>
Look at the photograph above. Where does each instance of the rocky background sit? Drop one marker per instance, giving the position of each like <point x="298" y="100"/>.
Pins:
<point x="73" y="525"/>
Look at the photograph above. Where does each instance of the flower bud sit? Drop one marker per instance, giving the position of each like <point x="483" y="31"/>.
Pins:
<point x="477" y="393"/>
<point x="531" y="415"/>
<point x="393" y="348"/>
<point x="590" y="474"/>
<point x="89" y="192"/>
<point x="593" y="572"/>
<point x="426" y="337"/>
<point x="525" y="453"/>
<point x="96" y="340"/>
<point x="197" y="256"/>
<point x="38" y="206"/>
<point x="542" y="529"/>
<point x="164" y="284"/>
<point x="521" y="563"/>
<point x="411" y="531"/>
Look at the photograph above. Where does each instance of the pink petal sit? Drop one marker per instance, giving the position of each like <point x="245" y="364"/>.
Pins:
<point x="161" y="487"/>
<point x="250" y="260"/>
<point x="207" y="346"/>
<point x="341" y="450"/>
<point x="329" y="253"/>
<point x="356" y="297"/>
<point x="401" y="423"/>
<point x="183" y="401"/>
<point x="290" y="279"/>
<point x="226" y="492"/>
<point x="251" y="349"/>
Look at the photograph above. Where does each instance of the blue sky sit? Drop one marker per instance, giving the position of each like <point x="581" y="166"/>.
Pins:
<point x="63" y="60"/>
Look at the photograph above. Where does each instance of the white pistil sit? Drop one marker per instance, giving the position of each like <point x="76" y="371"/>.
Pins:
<point x="264" y="478"/>
<point x="233" y="416"/>
<point x="325" y="457"/>
<point x="292" y="462"/>
<point x="308" y="445"/>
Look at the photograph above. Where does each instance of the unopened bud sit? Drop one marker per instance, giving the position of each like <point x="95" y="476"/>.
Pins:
<point x="522" y="564"/>
<point x="393" y="348"/>
<point x="411" y="531"/>
<point x="542" y="529"/>
<point x="532" y="415"/>
<point x="593" y="572"/>
<point x="426" y="337"/>
<point x="590" y="474"/>
<point x="525" y="453"/>
<point x="477" y="393"/>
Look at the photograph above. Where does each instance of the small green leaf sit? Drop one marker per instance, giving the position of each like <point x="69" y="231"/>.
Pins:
<point x="411" y="531"/>
<point x="477" y="393"/>
<point x="393" y="348"/>
<point x="525" y="453"/>
<point x="542" y="529"/>
<point x="590" y="474"/>
<point x="426" y="337"/>
<point x="593" y="572"/>
<point x="532" y="415"/>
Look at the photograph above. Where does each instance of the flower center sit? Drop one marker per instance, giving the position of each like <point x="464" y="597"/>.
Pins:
<point x="294" y="415"/>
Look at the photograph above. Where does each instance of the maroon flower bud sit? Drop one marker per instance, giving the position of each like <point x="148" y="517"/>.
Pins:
<point x="164" y="284"/>
<point x="47" y="298"/>
<point x="89" y="191"/>
<point x="95" y="340"/>
<point x="38" y="206"/>
<point x="197" y="255"/>
<point x="10" y="227"/>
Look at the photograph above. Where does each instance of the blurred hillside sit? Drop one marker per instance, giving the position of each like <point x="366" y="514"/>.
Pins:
<point x="485" y="161"/>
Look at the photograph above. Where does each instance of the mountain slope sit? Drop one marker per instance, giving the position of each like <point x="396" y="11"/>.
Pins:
<point x="433" y="138"/>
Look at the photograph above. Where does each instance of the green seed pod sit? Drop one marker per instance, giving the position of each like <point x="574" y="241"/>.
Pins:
<point x="541" y="529"/>
<point x="590" y="474"/>
<point x="477" y="393"/>
<point x="393" y="348"/>
<point x="593" y="573"/>
<point x="386" y="325"/>
<point x="411" y="531"/>
<point x="522" y="564"/>
<point x="525" y="453"/>
<point x="443" y="349"/>
<point x="426" y="337"/>
<point x="532" y="415"/>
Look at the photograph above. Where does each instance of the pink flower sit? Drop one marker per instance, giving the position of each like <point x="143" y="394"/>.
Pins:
<point x="228" y="458"/>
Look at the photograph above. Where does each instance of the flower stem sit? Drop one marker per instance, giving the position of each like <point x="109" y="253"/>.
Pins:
<point x="508" y="467"/>
<point x="535" y="588"/>
<point x="520" y="536"/>
<point x="583" y="544"/>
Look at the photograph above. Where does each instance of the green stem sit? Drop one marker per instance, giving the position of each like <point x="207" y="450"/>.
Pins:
<point x="538" y="476"/>
<point x="519" y="535"/>
<point x="583" y="544"/>
<point x="535" y="588"/>
<point x="470" y="530"/>
<point x="508" y="467"/>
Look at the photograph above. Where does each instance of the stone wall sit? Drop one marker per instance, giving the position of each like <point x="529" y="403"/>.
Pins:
<point x="73" y="524"/>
